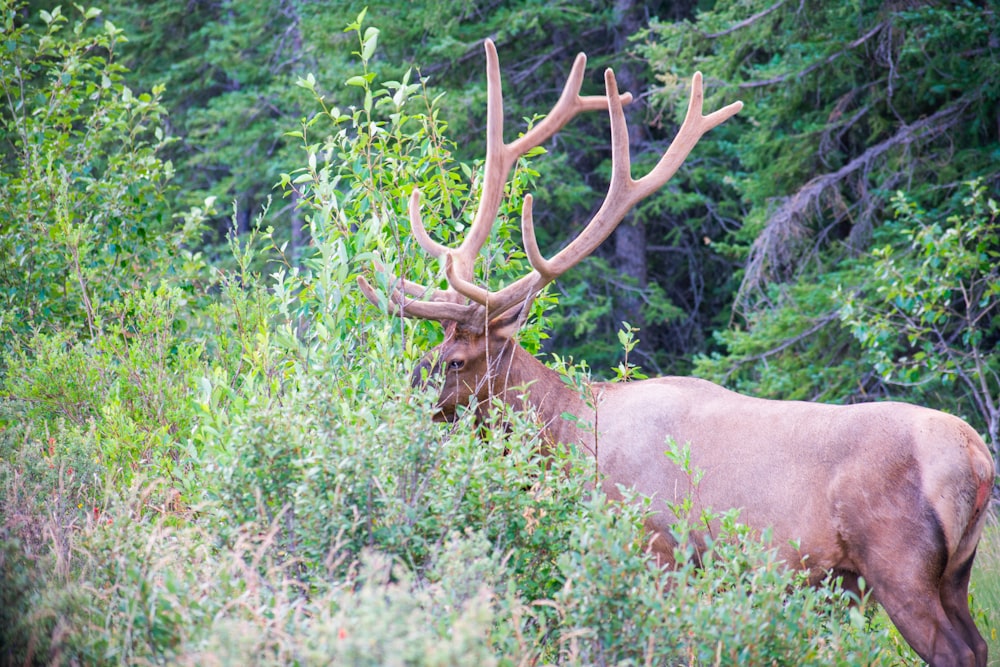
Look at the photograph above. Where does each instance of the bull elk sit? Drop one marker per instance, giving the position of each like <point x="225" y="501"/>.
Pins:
<point x="891" y="492"/>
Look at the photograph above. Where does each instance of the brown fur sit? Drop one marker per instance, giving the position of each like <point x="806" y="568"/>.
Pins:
<point x="886" y="491"/>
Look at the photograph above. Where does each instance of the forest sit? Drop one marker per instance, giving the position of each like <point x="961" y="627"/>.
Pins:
<point x="211" y="452"/>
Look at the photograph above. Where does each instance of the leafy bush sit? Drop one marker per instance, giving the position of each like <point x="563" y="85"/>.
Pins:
<point x="348" y="461"/>
<point x="82" y="212"/>
<point x="95" y="274"/>
<point x="126" y="586"/>
<point x="928" y="319"/>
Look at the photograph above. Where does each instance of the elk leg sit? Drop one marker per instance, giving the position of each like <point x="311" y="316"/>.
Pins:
<point x="926" y="627"/>
<point x="955" y="599"/>
<point x="913" y="602"/>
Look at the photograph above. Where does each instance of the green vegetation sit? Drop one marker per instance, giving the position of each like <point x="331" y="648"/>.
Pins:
<point x="210" y="451"/>
<point x="986" y="587"/>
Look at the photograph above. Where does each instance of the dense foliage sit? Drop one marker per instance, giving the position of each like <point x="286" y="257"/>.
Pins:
<point x="210" y="452"/>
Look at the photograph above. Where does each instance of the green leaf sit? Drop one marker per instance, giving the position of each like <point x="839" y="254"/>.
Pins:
<point x="370" y="42"/>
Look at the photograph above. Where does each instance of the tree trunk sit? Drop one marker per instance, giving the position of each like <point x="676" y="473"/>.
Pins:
<point x="630" y="237"/>
<point x="300" y="232"/>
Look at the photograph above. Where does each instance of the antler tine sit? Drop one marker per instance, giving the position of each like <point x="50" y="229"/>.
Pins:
<point x="624" y="192"/>
<point x="693" y="128"/>
<point x="570" y="103"/>
<point x="431" y="247"/>
<point x="497" y="166"/>
<point x="438" y="310"/>
<point x="441" y="305"/>
<point x="616" y="204"/>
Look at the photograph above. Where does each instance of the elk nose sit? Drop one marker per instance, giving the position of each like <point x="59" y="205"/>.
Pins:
<point x="421" y="374"/>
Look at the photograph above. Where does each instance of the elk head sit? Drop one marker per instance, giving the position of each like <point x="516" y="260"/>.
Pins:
<point x="480" y="325"/>
<point x="471" y="363"/>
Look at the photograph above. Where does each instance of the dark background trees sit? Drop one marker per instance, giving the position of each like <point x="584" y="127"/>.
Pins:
<point x="739" y="269"/>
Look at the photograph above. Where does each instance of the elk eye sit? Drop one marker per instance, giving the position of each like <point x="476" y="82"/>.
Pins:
<point x="456" y="364"/>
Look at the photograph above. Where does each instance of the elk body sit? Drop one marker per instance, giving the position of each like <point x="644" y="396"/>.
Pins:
<point x="891" y="492"/>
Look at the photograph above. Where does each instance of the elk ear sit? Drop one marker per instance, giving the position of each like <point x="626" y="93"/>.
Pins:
<point x="507" y="324"/>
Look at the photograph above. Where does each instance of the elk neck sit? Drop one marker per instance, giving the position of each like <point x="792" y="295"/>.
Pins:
<point x="522" y="381"/>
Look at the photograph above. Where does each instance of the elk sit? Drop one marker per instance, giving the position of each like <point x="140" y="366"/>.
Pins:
<point x="891" y="492"/>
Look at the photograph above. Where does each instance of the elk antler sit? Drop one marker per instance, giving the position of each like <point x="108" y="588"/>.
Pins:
<point x="474" y="306"/>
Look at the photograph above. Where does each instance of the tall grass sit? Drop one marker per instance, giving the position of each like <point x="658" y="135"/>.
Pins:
<point x="985" y="587"/>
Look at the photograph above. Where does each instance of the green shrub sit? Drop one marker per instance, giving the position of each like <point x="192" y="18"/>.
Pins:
<point x="349" y="459"/>
<point x="82" y="213"/>
<point x="95" y="272"/>
<point x="127" y="586"/>
<point x="127" y="387"/>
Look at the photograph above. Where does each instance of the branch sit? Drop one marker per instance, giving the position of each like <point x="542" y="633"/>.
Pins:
<point x="802" y="336"/>
<point x="826" y="61"/>
<point x="785" y="226"/>
<point x="744" y="23"/>
<point x="787" y="343"/>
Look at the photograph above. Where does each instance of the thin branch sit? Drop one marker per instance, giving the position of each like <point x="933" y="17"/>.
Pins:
<point x="830" y="317"/>
<point x="744" y="23"/>
<point x="787" y="343"/>
<point x="91" y="318"/>
<point x="816" y="65"/>
<point x="786" y="224"/>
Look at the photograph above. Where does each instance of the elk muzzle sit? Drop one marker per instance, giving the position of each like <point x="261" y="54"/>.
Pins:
<point x="427" y="373"/>
<point x="422" y="372"/>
